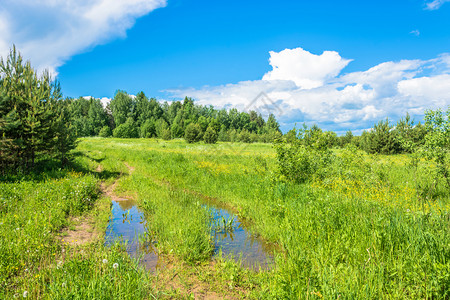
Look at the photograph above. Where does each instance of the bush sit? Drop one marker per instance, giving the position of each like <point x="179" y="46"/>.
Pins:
<point x="300" y="163"/>
<point x="244" y="136"/>
<point x="148" y="129"/>
<point x="381" y="139"/>
<point x="126" y="130"/>
<point x="193" y="133"/>
<point x="210" y="136"/>
<point x="105" y="132"/>
<point x="165" y="134"/>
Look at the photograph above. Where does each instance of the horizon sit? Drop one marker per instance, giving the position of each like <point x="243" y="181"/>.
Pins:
<point x="342" y="66"/>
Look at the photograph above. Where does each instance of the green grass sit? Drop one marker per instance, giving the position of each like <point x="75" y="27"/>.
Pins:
<point x="33" y="260"/>
<point x="363" y="232"/>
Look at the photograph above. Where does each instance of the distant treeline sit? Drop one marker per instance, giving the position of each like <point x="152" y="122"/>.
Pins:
<point x="36" y="122"/>
<point x="126" y="116"/>
<point x="306" y="154"/>
<point x="383" y="138"/>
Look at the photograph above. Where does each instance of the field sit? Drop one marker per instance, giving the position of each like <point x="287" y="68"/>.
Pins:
<point x="372" y="232"/>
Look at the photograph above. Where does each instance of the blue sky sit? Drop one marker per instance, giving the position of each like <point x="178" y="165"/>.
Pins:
<point x="340" y="64"/>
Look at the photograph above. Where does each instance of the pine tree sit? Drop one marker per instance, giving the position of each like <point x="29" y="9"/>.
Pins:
<point x="65" y="136"/>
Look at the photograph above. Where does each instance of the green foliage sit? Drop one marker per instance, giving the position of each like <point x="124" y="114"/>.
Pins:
<point x="148" y="129"/>
<point x="105" y="132"/>
<point x="162" y="129"/>
<point x="126" y="130"/>
<point x="244" y="136"/>
<point x="210" y="136"/>
<point x="437" y="141"/>
<point x="34" y="122"/>
<point x="193" y="133"/>
<point x="381" y="139"/>
<point x="303" y="159"/>
<point x="89" y="116"/>
<point x="121" y="107"/>
<point x="65" y="137"/>
<point x="344" y="232"/>
<point x="410" y="136"/>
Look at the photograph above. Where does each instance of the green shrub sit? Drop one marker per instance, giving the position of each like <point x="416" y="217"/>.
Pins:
<point x="193" y="133"/>
<point x="381" y="139"/>
<point x="148" y="129"/>
<point x="105" y="132"/>
<point x="210" y="136"/>
<point x="126" y="130"/>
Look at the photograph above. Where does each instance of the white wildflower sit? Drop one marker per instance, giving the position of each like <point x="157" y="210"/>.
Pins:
<point x="105" y="261"/>
<point x="25" y="294"/>
<point x="115" y="265"/>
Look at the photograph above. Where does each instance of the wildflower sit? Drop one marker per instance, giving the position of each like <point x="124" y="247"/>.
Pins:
<point x="63" y="285"/>
<point x="59" y="265"/>
<point x="26" y="270"/>
<point x="105" y="261"/>
<point x="115" y="265"/>
<point x="25" y="294"/>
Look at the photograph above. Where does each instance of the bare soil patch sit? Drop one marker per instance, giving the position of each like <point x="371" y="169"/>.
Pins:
<point x="84" y="232"/>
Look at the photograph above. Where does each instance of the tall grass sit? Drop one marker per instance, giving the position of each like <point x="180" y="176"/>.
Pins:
<point x="36" y="262"/>
<point x="361" y="231"/>
<point x="353" y="236"/>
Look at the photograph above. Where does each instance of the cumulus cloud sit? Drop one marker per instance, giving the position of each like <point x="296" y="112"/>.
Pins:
<point x="436" y="4"/>
<point x="307" y="70"/>
<point x="337" y="101"/>
<point x="48" y="32"/>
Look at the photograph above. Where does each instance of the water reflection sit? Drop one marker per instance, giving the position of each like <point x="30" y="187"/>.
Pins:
<point x="126" y="225"/>
<point x="232" y="237"/>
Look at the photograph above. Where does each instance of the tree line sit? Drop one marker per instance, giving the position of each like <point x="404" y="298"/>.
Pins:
<point x="306" y="153"/>
<point x="37" y="122"/>
<point x="384" y="137"/>
<point x="127" y="116"/>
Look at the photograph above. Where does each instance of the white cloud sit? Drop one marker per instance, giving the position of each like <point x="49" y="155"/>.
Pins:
<point x="105" y="101"/>
<point x="307" y="70"/>
<point x="435" y="89"/>
<point x="49" y="32"/>
<point x="436" y="4"/>
<point x="415" y="32"/>
<point x="350" y="101"/>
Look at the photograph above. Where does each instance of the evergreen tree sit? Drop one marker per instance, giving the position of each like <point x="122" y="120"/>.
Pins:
<point x="65" y="135"/>
<point x="210" y="136"/>
<point x="193" y="133"/>
<point x="381" y="139"/>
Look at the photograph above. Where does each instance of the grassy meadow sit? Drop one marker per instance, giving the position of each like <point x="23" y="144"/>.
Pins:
<point x="370" y="229"/>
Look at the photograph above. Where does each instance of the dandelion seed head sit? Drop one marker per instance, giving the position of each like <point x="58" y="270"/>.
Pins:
<point x="25" y="294"/>
<point x="115" y="265"/>
<point x="105" y="261"/>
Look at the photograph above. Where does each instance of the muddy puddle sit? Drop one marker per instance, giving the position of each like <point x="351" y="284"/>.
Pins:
<point x="234" y="240"/>
<point x="127" y="224"/>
